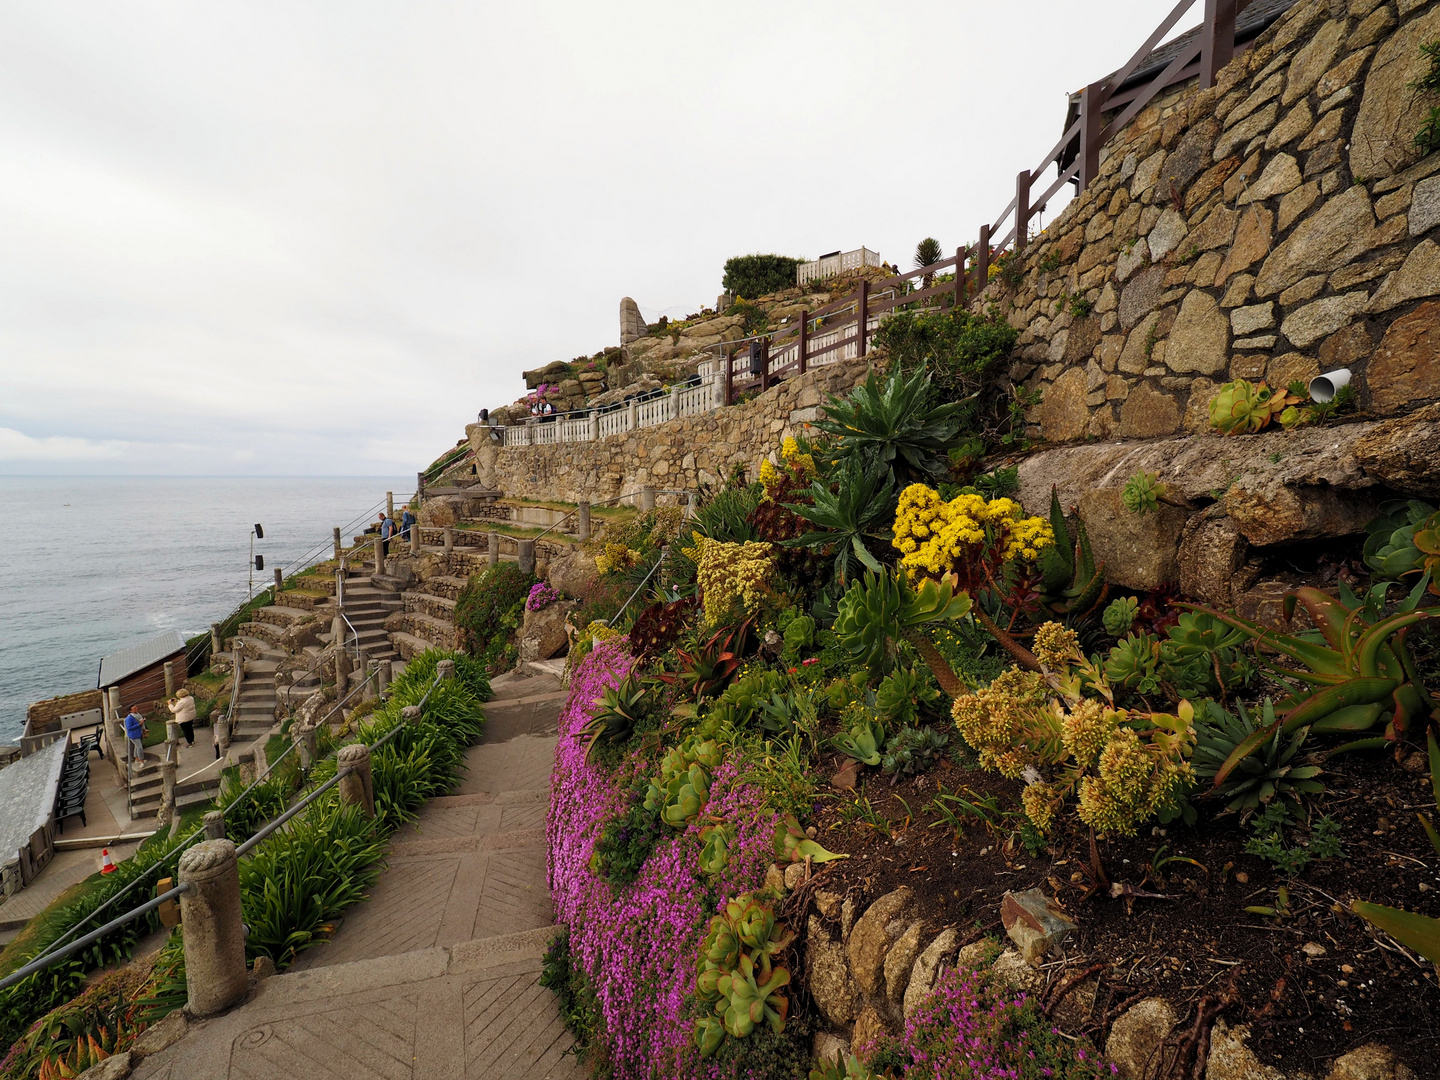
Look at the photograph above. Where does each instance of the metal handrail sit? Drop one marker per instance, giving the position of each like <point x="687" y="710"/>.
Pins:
<point x="55" y="955"/>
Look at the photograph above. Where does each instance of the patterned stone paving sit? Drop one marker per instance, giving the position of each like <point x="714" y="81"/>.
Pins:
<point x="436" y="975"/>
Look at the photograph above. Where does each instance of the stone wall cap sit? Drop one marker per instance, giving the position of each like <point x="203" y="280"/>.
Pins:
<point x="207" y="855"/>
<point x="353" y="754"/>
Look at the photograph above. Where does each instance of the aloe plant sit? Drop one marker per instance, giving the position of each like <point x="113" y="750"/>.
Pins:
<point x="892" y="426"/>
<point x="617" y="716"/>
<point x="881" y="609"/>
<point x="1273" y="771"/>
<point x="1356" y="657"/>
<point x="1071" y="581"/>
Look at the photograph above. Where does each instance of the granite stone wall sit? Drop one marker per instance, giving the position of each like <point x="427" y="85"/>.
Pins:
<point x="1275" y="226"/>
<point x="679" y="454"/>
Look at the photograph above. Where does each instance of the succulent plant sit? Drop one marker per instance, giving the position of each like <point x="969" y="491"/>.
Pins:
<point x="1132" y="663"/>
<point x="1202" y="655"/>
<point x="1119" y="616"/>
<point x="658" y="627"/>
<point x="792" y="845"/>
<point x="748" y="1001"/>
<point x="707" y="671"/>
<point x="1404" y="540"/>
<point x="863" y="740"/>
<point x="715" y="855"/>
<point x="901" y="693"/>
<point x="681" y="790"/>
<point x="618" y="714"/>
<point x="1271" y="772"/>
<point x="1243" y="408"/>
<point x="912" y="750"/>
<point x="799" y="633"/>
<point x="735" y="973"/>
<point x="880" y="609"/>
<point x="1142" y="492"/>
<point x="1071" y="582"/>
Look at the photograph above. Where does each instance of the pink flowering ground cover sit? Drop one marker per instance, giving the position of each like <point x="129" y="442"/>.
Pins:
<point x="638" y="944"/>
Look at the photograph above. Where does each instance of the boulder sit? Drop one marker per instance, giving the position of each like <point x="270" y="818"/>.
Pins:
<point x="1405" y="369"/>
<point x="1390" y="110"/>
<point x="116" y="1067"/>
<point x="160" y="1035"/>
<point x="871" y="937"/>
<point x="1035" y="923"/>
<point x="1011" y="970"/>
<point x="926" y="970"/>
<point x="828" y="975"/>
<point x="1404" y="453"/>
<point x="574" y="574"/>
<point x="1267" y="510"/>
<point x="898" y="963"/>
<point x="869" y="1027"/>
<point x="441" y="513"/>
<point x="829" y="1049"/>
<point x="1231" y="1059"/>
<point x="1369" y="1062"/>
<point x="1212" y="550"/>
<point x="552" y="372"/>
<point x="632" y="323"/>
<point x="1139" y="551"/>
<point x="543" y="633"/>
<point x="1063" y="414"/>
<point x="1135" y="1037"/>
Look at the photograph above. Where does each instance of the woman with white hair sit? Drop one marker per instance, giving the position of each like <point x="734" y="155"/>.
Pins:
<point x="182" y="705"/>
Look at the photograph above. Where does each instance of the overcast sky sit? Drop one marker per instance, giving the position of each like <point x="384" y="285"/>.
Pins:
<point x="306" y="238"/>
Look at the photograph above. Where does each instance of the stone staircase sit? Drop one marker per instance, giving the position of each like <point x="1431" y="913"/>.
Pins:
<point x="436" y="975"/>
<point x="427" y="619"/>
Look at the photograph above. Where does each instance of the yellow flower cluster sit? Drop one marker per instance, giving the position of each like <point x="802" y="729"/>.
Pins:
<point x="1085" y="730"/>
<point x="599" y="631"/>
<point x="1055" y="645"/>
<point x="803" y="465"/>
<point x="1042" y="802"/>
<point x="616" y="557"/>
<point x="724" y="572"/>
<point x="933" y="535"/>
<point x="1006" y="722"/>
<point x="1134" y="781"/>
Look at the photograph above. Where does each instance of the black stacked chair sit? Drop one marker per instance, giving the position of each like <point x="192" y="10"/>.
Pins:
<point x="75" y="781"/>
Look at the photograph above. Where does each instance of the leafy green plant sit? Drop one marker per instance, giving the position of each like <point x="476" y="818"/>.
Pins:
<point x="579" y="1004"/>
<point x="791" y="844"/>
<point x="901" y="694"/>
<point x="682" y="788"/>
<point x="1202" y="656"/>
<point x="1142" y="493"/>
<point x="709" y="669"/>
<point x="961" y="352"/>
<point x="1080" y="306"/>
<point x="490" y="610"/>
<point x="927" y="253"/>
<point x="626" y="842"/>
<point x="736" y="974"/>
<point x="1071" y="582"/>
<point x="1119" y="616"/>
<point x="879" y="611"/>
<point x="893" y="427"/>
<point x="1049" y="262"/>
<point x="1267" y="841"/>
<point x="858" y="509"/>
<point x="852" y="1068"/>
<point x="1275" y="771"/>
<point x="1403" y="540"/>
<point x="797" y="632"/>
<point x="1132" y="663"/>
<point x="754" y="276"/>
<point x="863" y="739"/>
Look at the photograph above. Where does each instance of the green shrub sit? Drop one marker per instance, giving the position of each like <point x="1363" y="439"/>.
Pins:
<point x="756" y="275"/>
<point x="961" y="351"/>
<point x="490" y="610"/>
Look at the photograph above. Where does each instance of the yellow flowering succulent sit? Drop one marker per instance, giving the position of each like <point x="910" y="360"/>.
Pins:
<point x="935" y="537"/>
<point x="724" y="572"/>
<point x="616" y="558"/>
<point x="797" y="465"/>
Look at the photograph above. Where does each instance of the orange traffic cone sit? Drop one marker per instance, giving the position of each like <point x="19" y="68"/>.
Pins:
<point x="107" y="864"/>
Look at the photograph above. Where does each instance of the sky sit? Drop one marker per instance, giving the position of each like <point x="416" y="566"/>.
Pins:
<point x="315" y="238"/>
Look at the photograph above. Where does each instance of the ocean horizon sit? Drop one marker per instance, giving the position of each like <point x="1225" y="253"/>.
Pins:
<point x="98" y="563"/>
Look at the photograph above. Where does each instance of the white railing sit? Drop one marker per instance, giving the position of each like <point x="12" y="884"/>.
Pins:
<point x="840" y="263"/>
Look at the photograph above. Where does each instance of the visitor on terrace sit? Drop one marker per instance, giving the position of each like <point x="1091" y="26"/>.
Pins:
<point x="135" y="733"/>
<point x="182" y="705"/>
<point x="387" y="529"/>
<point x="407" y="519"/>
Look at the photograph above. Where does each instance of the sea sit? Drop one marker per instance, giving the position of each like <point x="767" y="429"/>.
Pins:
<point x="91" y="565"/>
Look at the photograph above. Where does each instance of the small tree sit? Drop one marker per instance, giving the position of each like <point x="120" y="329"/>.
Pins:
<point x="750" y="276"/>
<point x="927" y="252"/>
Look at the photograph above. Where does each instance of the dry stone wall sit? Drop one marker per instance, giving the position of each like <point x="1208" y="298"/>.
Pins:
<point x="1272" y="227"/>
<point x="679" y="454"/>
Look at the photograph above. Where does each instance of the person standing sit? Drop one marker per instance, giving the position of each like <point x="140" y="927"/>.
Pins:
<point x="182" y="705"/>
<point x="387" y="530"/>
<point x="135" y="733"/>
<point x="407" y="521"/>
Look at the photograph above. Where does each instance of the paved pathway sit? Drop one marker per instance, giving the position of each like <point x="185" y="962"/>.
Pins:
<point x="436" y="975"/>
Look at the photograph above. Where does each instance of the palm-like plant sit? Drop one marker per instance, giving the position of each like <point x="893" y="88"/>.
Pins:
<point x="927" y="253"/>
<point x="892" y="426"/>
<point x="861" y="505"/>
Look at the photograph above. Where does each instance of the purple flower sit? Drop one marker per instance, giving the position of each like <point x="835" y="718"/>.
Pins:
<point x="541" y="595"/>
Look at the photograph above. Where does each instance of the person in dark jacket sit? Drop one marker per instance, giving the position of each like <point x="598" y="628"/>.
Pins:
<point x="407" y="519"/>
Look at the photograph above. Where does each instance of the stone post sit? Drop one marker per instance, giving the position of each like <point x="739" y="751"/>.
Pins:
<point x="419" y="487"/>
<point x="172" y="740"/>
<point x="218" y="719"/>
<point x="215" y="975"/>
<point x="279" y="583"/>
<point x="449" y="536"/>
<point x="493" y="548"/>
<point x="338" y="547"/>
<point x="390" y="505"/>
<point x="582" y="520"/>
<point x="445" y="669"/>
<point x="594" y="425"/>
<point x="169" y="679"/>
<point x="382" y="677"/>
<point x="304" y="739"/>
<point x="632" y="418"/>
<point x="411" y="714"/>
<point x="527" y="556"/>
<point x="215" y="825"/>
<point x="342" y="666"/>
<point x="415" y="539"/>
<point x="379" y="555"/>
<point x="371" y="678"/>
<point x="339" y="591"/>
<point x="167" y="793"/>
<point x="356" y="787"/>
<point x="247" y="770"/>
<point x="216" y="645"/>
<point x="115" y="731"/>
<point x="674" y="402"/>
<point x="647" y="498"/>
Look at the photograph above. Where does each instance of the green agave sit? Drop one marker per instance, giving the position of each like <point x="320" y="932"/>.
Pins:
<point x="1271" y="772"/>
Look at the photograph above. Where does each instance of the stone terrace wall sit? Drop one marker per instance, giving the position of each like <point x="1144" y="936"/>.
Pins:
<point x="1274" y="226"/>
<point x="679" y="454"/>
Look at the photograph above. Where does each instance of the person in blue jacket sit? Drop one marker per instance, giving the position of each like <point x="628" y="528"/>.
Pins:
<point x="407" y="519"/>
<point x="135" y="732"/>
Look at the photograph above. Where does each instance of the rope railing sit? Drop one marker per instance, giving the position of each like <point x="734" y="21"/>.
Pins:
<point x="56" y="952"/>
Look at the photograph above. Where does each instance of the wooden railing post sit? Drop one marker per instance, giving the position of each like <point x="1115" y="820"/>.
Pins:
<point x="1217" y="39"/>
<point x="959" y="278"/>
<point x="1092" y="123"/>
<point x="728" y="360"/>
<point x="862" y="310"/>
<point x="982" y="260"/>
<point x="1022" y="209"/>
<point x="804" y="340"/>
